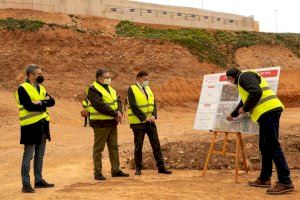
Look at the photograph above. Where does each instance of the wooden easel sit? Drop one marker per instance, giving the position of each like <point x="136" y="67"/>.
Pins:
<point x="239" y="144"/>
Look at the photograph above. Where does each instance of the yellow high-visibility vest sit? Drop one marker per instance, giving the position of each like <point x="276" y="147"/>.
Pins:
<point x="29" y="117"/>
<point x="86" y="104"/>
<point x="108" y="98"/>
<point x="267" y="102"/>
<point x="144" y="104"/>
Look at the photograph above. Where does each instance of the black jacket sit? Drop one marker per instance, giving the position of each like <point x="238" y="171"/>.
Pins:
<point x="32" y="134"/>
<point x="250" y="82"/>
<point x="95" y="97"/>
<point x="137" y="111"/>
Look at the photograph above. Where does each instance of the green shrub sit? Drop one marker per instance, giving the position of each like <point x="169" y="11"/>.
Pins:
<point x="21" y="24"/>
<point x="217" y="47"/>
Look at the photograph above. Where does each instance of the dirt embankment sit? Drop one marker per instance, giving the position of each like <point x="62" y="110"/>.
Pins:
<point x="192" y="154"/>
<point x="70" y="59"/>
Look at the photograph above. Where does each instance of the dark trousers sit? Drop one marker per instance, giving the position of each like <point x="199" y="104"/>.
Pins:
<point x="38" y="150"/>
<point x="270" y="148"/>
<point x="139" y="135"/>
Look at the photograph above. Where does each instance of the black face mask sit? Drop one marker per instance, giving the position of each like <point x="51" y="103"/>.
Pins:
<point x="40" y="79"/>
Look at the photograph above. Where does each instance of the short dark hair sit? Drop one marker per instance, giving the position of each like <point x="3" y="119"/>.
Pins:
<point x="141" y="74"/>
<point x="233" y="72"/>
<point x="30" y="69"/>
<point x="100" y="72"/>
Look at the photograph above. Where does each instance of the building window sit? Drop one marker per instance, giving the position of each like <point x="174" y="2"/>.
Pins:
<point x="230" y="21"/>
<point x="149" y="11"/>
<point x="218" y="19"/>
<point x="192" y="15"/>
<point x="113" y="9"/>
<point x="131" y="10"/>
<point x="165" y="12"/>
<point x="205" y="17"/>
<point x="178" y="14"/>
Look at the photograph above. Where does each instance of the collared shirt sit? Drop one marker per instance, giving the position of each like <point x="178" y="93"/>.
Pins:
<point x="142" y="89"/>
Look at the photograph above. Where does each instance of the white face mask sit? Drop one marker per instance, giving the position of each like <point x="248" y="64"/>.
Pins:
<point x="107" y="81"/>
<point x="145" y="83"/>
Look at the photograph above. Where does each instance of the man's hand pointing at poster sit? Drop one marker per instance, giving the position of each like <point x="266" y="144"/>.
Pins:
<point x="229" y="118"/>
<point x="241" y="111"/>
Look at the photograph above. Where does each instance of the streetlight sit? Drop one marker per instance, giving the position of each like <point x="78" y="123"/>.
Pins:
<point x="276" y="14"/>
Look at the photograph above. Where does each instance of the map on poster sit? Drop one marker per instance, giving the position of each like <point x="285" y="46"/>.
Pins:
<point x="219" y="98"/>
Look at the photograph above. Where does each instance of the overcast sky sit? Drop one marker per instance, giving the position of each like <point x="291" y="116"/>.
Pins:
<point x="264" y="11"/>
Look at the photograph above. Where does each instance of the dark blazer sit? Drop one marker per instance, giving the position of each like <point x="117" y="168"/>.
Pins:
<point x="32" y="134"/>
<point x="137" y="111"/>
<point x="95" y="97"/>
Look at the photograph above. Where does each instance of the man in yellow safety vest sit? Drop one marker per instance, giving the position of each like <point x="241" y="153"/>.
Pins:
<point x="105" y="114"/>
<point x="265" y="108"/>
<point x="33" y="101"/>
<point x="142" y="114"/>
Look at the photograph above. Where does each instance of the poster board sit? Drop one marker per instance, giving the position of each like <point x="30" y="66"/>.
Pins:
<point x="218" y="99"/>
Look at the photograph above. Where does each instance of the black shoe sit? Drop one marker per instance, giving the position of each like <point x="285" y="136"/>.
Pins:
<point x="99" y="177"/>
<point x="138" y="172"/>
<point x="120" y="174"/>
<point x="163" y="170"/>
<point x="43" y="184"/>
<point x="27" y="189"/>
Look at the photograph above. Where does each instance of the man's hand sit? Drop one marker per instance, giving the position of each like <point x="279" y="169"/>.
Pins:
<point x="119" y="117"/>
<point x="241" y="111"/>
<point x="120" y="120"/>
<point x="120" y="114"/>
<point x="229" y="118"/>
<point x="148" y="119"/>
<point x="152" y="118"/>
<point x="37" y="102"/>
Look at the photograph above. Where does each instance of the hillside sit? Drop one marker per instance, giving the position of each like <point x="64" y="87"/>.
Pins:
<point x="71" y="48"/>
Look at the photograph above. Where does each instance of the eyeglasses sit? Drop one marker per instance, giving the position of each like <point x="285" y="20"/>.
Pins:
<point x="38" y="74"/>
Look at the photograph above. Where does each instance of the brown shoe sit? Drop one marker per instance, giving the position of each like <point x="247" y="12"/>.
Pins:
<point x="280" y="188"/>
<point x="260" y="183"/>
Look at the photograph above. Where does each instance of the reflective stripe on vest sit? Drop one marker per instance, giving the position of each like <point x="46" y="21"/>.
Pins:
<point x="144" y="104"/>
<point x="267" y="102"/>
<point x="110" y="98"/>
<point x="86" y="104"/>
<point x="28" y="117"/>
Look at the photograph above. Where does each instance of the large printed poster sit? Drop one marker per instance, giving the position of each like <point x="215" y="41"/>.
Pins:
<point x="218" y="99"/>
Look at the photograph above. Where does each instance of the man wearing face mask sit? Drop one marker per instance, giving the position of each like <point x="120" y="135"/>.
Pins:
<point x="33" y="100"/>
<point x="142" y="114"/>
<point x="261" y="102"/>
<point x="105" y="114"/>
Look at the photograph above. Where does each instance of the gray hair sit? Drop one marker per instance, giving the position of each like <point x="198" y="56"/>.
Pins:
<point x="30" y="69"/>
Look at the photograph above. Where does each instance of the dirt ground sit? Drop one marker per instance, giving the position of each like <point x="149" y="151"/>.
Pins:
<point x="70" y="59"/>
<point x="68" y="161"/>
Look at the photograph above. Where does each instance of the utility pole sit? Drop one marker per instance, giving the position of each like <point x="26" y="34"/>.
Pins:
<point x="202" y="4"/>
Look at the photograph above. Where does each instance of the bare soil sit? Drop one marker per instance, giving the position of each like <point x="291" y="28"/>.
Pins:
<point x="68" y="160"/>
<point x="70" y="59"/>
